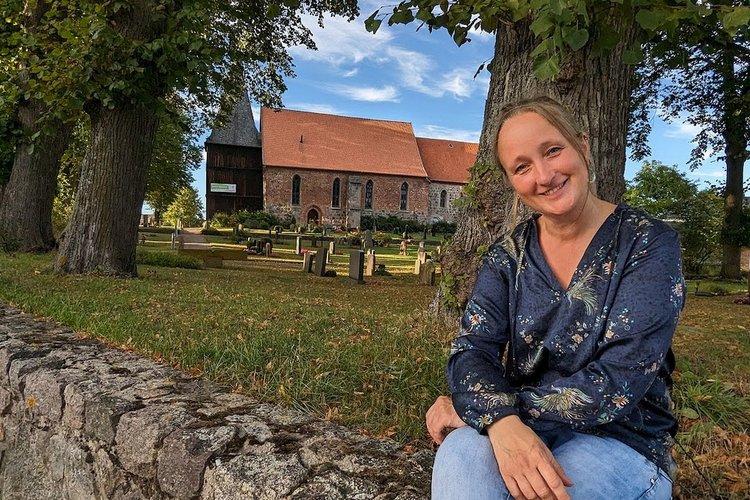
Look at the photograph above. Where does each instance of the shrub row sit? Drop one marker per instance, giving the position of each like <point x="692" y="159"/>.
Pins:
<point x="258" y="219"/>
<point x="394" y="224"/>
<point x="167" y="259"/>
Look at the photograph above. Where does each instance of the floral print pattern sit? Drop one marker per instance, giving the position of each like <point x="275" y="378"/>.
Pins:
<point x="595" y="357"/>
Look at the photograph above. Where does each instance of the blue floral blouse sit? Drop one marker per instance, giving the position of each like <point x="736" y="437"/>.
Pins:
<point x="595" y="357"/>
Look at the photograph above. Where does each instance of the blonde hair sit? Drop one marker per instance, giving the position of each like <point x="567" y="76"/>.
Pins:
<point x="560" y="118"/>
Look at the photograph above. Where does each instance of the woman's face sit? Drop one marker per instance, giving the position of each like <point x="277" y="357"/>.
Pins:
<point x="542" y="166"/>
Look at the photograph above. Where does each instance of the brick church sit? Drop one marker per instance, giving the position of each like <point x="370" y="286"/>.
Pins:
<point x="332" y="169"/>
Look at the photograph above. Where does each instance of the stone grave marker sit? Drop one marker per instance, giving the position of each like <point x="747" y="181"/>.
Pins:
<point x="268" y="249"/>
<point x="370" y="263"/>
<point x="321" y="257"/>
<point x="307" y="262"/>
<point x="331" y="247"/>
<point x="421" y="245"/>
<point x="427" y="273"/>
<point x="298" y="246"/>
<point x="421" y="258"/>
<point x="356" y="265"/>
<point x="403" y="247"/>
<point x="368" y="239"/>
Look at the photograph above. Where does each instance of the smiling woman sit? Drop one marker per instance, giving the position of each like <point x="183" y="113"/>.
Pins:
<point x="581" y="302"/>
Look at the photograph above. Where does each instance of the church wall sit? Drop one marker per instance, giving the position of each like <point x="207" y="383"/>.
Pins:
<point x="316" y="193"/>
<point x="449" y="212"/>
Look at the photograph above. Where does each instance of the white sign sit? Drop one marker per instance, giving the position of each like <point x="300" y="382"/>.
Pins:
<point x="223" y="188"/>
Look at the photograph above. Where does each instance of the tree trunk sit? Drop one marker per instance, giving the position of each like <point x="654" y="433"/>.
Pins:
<point x="102" y="233"/>
<point x="26" y="208"/>
<point x="735" y="151"/>
<point x="597" y="90"/>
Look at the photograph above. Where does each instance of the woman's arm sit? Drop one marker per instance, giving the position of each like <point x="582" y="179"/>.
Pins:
<point x="476" y="376"/>
<point x="638" y="336"/>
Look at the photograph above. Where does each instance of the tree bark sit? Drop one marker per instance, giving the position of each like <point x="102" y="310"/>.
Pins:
<point x="597" y="90"/>
<point x="26" y="208"/>
<point x="735" y="152"/>
<point x="102" y="233"/>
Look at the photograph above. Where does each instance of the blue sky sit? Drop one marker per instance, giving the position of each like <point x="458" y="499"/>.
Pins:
<point x="423" y="78"/>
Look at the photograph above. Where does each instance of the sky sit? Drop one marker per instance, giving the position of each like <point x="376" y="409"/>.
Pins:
<point x="423" y="78"/>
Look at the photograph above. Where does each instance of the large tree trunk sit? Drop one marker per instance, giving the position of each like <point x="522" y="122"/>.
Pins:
<point x="598" y="93"/>
<point x="735" y="151"/>
<point x="26" y="208"/>
<point x="102" y="233"/>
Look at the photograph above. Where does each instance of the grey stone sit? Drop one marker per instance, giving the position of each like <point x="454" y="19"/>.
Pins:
<point x="184" y="455"/>
<point x="321" y="257"/>
<point x="260" y="477"/>
<point x="101" y="415"/>
<point x="140" y="434"/>
<point x="43" y="395"/>
<point x="356" y="265"/>
<point x="307" y="262"/>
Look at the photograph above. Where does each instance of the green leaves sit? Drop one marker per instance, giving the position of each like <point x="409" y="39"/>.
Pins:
<point x="372" y="23"/>
<point x="735" y="19"/>
<point x="577" y="39"/>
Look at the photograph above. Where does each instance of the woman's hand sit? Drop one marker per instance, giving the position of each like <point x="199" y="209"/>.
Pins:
<point x="442" y="416"/>
<point x="527" y="466"/>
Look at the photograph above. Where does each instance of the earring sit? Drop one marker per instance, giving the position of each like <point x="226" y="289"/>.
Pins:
<point x="592" y="177"/>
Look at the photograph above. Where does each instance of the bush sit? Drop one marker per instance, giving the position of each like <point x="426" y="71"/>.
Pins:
<point x="390" y="223"/>
<point x="167" y="259"/>
<point x="211" y="231"/>
<point x="381" y="239"/>
<point x="442" y="227"/>
<point x="221" y="219"/>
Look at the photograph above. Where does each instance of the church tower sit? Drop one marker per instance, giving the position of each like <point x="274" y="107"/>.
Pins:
<point x="234" y="164"/>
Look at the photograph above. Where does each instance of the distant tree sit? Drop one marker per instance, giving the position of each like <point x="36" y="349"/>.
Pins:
<point x="186" y="209"/>
<point x="176" y="156"/>
<point x="666" y="193"/>
<point x="701" y="74"/>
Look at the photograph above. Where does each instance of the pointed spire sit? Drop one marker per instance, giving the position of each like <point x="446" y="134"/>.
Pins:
<point x="240" y="129"/>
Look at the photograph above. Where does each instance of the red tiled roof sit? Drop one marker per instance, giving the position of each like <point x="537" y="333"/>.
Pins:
<point x="447" y="161"/>
<point x="318" y="141"/>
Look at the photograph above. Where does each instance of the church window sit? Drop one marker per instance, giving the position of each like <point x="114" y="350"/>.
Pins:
<point x="368" y="195"/>
<point x="295" y="190"/>
<point x="404" y="196"/>
<point x="443" y="198"/>
<point x="336" y="193"/>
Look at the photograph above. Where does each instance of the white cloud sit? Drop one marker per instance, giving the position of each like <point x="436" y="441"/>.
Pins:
<point x="439" y="132"/>
<point x="417" y="72"/>
<point x="369" y="94"/>
<point x="681" y="130"/>
<point x="315" y="108"/>
<point x="351" y="73"/>
<point x="716" y="174"/>
<point x="459" y="83"/>
<point x="340" y="42"/>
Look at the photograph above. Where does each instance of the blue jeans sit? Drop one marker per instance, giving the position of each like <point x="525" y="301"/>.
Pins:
<point x="600" y="468"/>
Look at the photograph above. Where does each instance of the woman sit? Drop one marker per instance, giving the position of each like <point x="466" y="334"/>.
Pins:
<point x="561" y="372"/>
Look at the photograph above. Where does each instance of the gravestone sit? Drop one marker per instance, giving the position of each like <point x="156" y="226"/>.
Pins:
<point x="421" y="245"/>
<point x="368" y="239"/>
<point x="307" y="262"/>
<point x="370" y="264"/>
<point x="402" y="248"/>
<point x="356" y="265"/>
<point x="268" y="249"/>
<point x="298" y="246"/>
<point x="331" y="247"/>
<point x="427" y="273"/>
<point x="421" y="258"/>
<point x="321" y="257"/>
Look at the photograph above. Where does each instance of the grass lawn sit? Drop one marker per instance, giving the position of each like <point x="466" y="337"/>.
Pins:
<point x="366" y="355"/>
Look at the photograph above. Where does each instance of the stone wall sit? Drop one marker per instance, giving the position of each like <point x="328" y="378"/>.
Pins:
<point x="80" y="420"/>
<point x="449" y="212"/>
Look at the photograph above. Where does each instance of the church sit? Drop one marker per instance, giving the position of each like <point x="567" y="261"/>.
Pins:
<point x="332" y="170"/>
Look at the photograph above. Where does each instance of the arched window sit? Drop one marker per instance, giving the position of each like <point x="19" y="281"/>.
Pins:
<point x="295" y="190"/>
<point x="404" y="195"/>
<point x="443" y="198"/>
<point x="335" y="195"/>
<point x="368" y="195"/>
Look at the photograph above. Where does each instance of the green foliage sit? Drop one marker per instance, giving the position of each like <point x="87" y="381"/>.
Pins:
<point x="211" y="230"/>
<point x="176" y="156"/>
<point x="187" y="208"/>
<point x="668" y="194"/>
<point x="220" y="219"/>
<point x="390" y="223"/>
<point x="563" y="26"/>
<point x="701" y="397"/>
<point x="167" y="259"/>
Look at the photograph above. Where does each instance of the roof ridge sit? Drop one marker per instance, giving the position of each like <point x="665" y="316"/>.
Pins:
<point x="339" y="116"/>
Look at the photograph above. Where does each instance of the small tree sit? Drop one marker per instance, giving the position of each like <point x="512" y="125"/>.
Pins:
<point x="186" y="208"/>
<point x="668" y="194"/>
